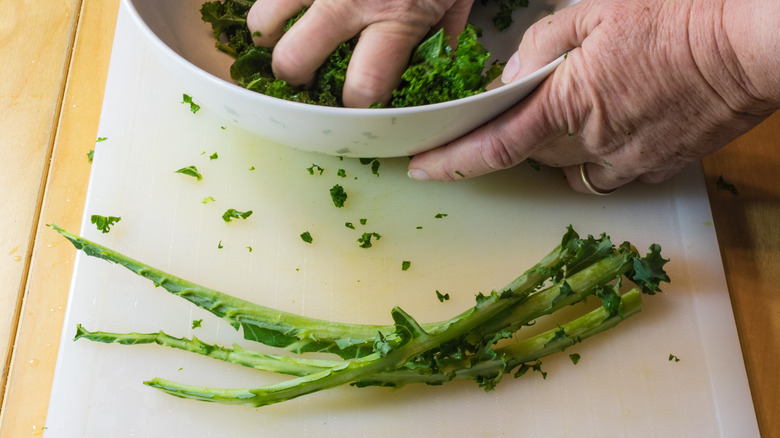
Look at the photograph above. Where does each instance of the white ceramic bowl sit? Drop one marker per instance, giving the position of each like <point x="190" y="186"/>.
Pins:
<point x="184" y="43"/>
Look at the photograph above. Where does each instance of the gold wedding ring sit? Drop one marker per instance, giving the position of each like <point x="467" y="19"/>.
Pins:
<point x="589" y="185"/>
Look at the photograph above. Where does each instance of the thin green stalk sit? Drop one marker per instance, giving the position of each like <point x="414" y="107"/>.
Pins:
<point x="296" y="366"/>
<point x="286" y="330"/>
<point x="506" y="359"/>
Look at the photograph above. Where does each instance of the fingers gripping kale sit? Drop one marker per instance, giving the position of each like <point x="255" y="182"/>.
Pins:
<point x="463" y="347"/>
<point x="436" y="73"/>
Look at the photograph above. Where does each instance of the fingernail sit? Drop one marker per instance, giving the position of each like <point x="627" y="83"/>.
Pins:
<point x="510" y="69"/>
<point x="418" y="174"/>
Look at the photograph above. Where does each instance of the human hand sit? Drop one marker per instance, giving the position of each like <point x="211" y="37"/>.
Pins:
<point x="647" y="87"/>
<point x="389" y="30"/>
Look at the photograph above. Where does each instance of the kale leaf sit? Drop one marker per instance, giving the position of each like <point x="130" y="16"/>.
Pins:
<point x="436" y="72"/>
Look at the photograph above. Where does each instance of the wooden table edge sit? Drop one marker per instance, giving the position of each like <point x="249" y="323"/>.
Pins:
<point x="24" y="414"/>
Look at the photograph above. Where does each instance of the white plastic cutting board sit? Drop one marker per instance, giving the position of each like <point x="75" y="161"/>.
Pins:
<point x="495" y="228"/>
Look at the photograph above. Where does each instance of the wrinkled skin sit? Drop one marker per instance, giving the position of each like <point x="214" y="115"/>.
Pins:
<point x="647" y="87"/>
<point x="640" y="95"/>
<point x="389" y="30"/>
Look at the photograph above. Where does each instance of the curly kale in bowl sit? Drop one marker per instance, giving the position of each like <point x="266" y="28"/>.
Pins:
<point x="436" y="72"/>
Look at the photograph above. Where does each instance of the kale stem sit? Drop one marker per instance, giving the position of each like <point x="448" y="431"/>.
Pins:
<point x="275" y="328"/>
<point x="507" y="358"/>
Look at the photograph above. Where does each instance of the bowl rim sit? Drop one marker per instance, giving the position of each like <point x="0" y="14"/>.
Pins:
<point x="152" y="37"/>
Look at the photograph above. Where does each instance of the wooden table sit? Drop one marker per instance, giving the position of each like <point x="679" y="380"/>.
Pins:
<point x="55" y="61"/>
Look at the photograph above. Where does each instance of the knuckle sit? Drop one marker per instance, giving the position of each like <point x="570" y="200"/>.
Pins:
<point x="496" y="153"/>
<point x="366" y="87"/>
<point x="287" y="64"/>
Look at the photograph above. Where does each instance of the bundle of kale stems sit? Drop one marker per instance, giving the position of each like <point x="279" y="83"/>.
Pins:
<point x="481" y="343"/>
<point x="436" y="72"/>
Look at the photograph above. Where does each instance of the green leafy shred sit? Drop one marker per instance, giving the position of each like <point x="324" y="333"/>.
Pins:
<point x="673" y="358"/>
<point x="207" y="199"/>
<point x="227" y="17"/>
<point x="306" y="237"/>
<point x="442" y="297"/>
<point x="405" y="265"/>
<point x="648" y="271"/>
<point x="104" y="223"/>
<point x="187" y="99"/>
<point x="232" y="213"/>
<point x="365" y="239"/>
<point x="190" y="171"/>
<point x="575" y="358"/>
<point x="197" y="323"/>
<point x="536" y="366"/>
<point x="90" y="155"/>
<point x="315" y="168"/>
<point x="338" y="195"/>
<point x="373" y="162"/>
<point x="213" y="156"/>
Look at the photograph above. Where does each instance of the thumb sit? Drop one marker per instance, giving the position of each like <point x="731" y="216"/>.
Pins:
<point x="503" y="142"/>
<point x="551" y="37"/>
<point x="540" y="120"/>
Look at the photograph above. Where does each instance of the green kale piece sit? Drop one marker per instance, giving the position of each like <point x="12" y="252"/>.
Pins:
<point x="104" y="223"/>
<point x="648" y="272"/>
<point x="190" y="171"/>
<point x="232" y="213"/>
<point x="315" y="168"/>
<point x="194" y="107"/>
<point x="338" y="195"/>
<point x="365" y="239"/>
<point x="225" y="17"/>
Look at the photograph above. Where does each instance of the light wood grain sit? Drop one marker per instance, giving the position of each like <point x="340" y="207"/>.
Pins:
<point x="35" y="353"/>
<point x="748" y="229"/>
<point x="32" y="78"/>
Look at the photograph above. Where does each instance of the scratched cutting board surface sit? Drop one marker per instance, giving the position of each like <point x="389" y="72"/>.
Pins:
<point x="495" y="227"/>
